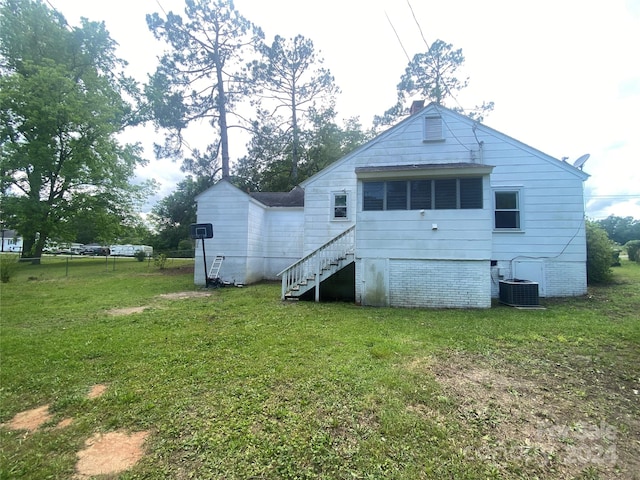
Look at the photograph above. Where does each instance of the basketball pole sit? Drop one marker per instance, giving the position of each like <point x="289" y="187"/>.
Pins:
<point x="204" y="256"/>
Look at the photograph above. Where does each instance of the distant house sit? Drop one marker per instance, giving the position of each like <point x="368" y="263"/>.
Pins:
<point x="433" y="212"/>
<point x="11" y="241"/>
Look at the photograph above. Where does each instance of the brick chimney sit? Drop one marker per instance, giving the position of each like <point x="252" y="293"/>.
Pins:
<point x="416" y="106"/>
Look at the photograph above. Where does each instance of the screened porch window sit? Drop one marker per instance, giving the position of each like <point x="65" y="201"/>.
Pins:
<point x="423" y="194"/>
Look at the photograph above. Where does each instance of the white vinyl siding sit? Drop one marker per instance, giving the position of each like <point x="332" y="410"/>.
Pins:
<point x="550" y="202"/>
<point x="256" y="241"/>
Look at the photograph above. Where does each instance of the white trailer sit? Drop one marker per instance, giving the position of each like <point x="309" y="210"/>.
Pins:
<point x="130" y="250"/>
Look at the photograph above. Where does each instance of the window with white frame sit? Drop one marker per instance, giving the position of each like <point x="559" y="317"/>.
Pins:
<point x="507" y="209"/>
<point x="339" y="206"/>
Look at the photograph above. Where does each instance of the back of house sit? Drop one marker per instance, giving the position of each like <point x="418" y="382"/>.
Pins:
<point x="434" y="212"/>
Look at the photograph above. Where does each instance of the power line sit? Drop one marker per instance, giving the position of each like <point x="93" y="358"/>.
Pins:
<point x="66" y="24"/>
<point x="397" y="36"/>
<point x="418" y="24"/>
<point x="448" y="90"/>
<point x="614" y="196"/>
<point x="161" y="8"/>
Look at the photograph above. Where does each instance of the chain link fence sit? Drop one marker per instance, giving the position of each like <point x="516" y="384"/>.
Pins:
<point x="68" y="265"/>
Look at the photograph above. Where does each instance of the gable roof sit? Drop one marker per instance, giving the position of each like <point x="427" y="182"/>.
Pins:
<point x="293" y="198"/>
<point x="418" y="115"/>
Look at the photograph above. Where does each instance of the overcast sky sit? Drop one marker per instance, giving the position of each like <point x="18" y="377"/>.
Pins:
<point x="564" y="74"/>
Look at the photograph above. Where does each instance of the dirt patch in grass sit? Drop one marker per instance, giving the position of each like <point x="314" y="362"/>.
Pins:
<point x="542" y="422"/>
<point x="164" y="296"/>
<point x="97" y="391"/>
<point x="104" y="454"/>
<point x="184" y="295"/>
<point x="30" y="420"/>
<point x="110" y="453"/>
<point x="126" y="311"/>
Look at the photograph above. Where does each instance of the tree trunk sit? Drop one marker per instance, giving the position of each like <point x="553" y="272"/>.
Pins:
<point x="296" y="138"/>
<point x="222" y="120"/>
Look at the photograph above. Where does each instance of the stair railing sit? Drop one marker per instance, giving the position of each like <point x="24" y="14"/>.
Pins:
<point x="311" y="266"/>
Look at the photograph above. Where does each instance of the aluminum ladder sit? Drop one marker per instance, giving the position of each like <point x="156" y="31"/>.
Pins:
<point x="214" y="271"/>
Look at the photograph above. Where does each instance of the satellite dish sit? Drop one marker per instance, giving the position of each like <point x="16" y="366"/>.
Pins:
<point x="581" y="161"/>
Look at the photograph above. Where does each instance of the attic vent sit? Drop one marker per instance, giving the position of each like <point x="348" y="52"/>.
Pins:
<point x="433" y="129"/>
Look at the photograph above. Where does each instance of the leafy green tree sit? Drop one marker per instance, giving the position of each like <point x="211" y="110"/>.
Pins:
<point x="599" y="254"/>
<point x="267" y="166"/>
<point x="431" y="76"/>
<point x="327" y="142"/>
<point x="292" y="79"/>
<point x="201" y="77"/>
<point x="62" y="103"/>
<point x="633" y="250"/>
<point x="173" y="215"/>
<point x="621" y="229"/>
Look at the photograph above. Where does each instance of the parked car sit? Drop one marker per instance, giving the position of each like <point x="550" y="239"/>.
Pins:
<point x="95" y="250"/>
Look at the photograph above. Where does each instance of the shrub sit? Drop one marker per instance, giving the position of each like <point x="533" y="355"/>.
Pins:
<point x="185" y="249"/>
<point x="615" y="257"/>
<point x="8" y="266"/>
<point x="633" y="250"/>
<point x="160" y="261"/>
<point x="599" y="254"/>
<point x="140" y="255"/>
<point x="185" y="245"/>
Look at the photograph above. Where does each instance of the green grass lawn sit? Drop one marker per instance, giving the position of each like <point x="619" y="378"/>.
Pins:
<point x="238" y="384"/>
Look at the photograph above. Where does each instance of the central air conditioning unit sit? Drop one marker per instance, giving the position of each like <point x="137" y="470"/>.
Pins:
<point x="519" y="293"/>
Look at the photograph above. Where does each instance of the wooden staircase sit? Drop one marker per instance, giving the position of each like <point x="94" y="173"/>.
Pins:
<point x="308" y="272"/>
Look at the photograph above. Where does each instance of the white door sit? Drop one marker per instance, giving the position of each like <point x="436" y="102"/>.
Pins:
<point x="532" y="270"/>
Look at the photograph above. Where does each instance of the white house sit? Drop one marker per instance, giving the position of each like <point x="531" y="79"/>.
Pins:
<point x="433" y="212"/>
<point x="259" y="234"/>
<point x="10" y="241"/>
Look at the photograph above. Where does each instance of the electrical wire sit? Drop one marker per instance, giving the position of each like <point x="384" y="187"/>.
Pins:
<point x="397" y="36"/>
<point x="446" y="87"/>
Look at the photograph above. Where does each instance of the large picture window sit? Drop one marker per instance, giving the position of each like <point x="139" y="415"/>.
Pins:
<point x="423" y="194"/>
<point x="507" y="209"/>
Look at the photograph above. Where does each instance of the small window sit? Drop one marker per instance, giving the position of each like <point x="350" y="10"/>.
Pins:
<point x="507" y="213"/>
<point x="433" y="129"/>
<point x="340" y="211"/>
